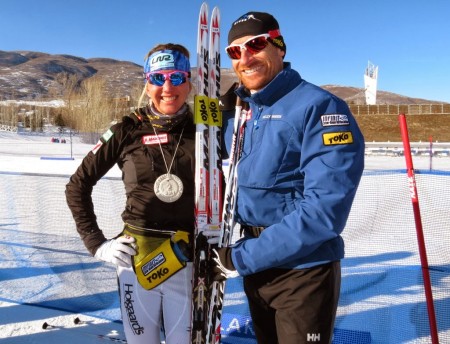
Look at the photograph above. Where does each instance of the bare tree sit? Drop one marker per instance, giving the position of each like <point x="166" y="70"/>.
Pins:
<point x="88" y="106"/>
<point x="8" y="115"/>
<point x="94" y="108"/>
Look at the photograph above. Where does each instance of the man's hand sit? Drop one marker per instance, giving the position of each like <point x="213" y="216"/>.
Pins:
<point x="117" y="251"/>
<point x="223" y="265"/>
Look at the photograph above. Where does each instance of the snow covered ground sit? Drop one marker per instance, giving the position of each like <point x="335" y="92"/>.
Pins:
<point x="22" y="322"/>
<point x="23" y="153"/>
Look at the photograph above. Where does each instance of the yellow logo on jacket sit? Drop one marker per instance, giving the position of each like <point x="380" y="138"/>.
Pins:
<point x="339" y="138"/>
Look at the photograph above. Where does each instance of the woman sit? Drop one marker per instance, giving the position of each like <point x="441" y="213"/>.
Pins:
<point x="155" y="149"/>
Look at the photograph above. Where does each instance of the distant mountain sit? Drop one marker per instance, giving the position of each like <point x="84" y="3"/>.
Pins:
<point x="28" y="75"/>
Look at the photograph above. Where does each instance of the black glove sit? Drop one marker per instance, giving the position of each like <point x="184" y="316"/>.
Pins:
<point x="223" y="266"/>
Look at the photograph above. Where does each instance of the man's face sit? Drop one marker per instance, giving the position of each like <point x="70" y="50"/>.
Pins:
<point x="256" y="71"/>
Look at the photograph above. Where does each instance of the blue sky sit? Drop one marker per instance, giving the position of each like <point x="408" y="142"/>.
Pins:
<point x="328" y="42"/>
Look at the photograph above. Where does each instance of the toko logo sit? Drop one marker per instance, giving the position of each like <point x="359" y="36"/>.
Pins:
<point x="159" y="274"/>
<point x="339" y="138"/>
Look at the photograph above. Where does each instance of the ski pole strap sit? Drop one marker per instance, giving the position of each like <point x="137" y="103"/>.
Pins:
<point x="252" y="231"/>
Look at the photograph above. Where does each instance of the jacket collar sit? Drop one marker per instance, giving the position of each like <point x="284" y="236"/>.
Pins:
<point x="283" y="83"/>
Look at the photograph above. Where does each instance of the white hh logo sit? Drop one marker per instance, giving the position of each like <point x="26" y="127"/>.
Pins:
<point x="313" y="337"/>
<point x="154" y="140"/>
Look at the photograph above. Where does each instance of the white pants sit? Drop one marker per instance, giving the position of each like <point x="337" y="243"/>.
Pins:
<point x="144" y="312"/>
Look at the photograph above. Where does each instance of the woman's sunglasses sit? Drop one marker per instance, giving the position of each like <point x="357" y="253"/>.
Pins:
<point x="253" y="45"/>
<point x="177" y="77"/>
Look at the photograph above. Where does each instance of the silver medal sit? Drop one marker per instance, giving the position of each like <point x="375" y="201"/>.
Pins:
<point x="168" y="188"/>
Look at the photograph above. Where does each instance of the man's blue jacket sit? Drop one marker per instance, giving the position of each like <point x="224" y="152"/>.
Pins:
<point x="301" y="163"/>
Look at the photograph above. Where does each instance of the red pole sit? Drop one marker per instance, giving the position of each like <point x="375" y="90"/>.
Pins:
<point x="419" y="230"/>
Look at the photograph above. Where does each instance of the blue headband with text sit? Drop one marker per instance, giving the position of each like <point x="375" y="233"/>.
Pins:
<point x="167" y="60"/>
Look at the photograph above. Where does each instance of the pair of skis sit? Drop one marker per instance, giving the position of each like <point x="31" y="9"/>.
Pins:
<point x="207" y="294"/>
<point x="211" y="211"/>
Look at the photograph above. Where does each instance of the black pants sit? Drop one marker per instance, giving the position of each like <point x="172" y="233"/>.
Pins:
<point x="294" y="306"/>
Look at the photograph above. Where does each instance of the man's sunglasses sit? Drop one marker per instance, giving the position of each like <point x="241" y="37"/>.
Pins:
<point x="253" y="45"/>
<point x="177" y="77"/>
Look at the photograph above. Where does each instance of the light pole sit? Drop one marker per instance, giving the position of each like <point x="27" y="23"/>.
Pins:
<point x="70" y="136"/>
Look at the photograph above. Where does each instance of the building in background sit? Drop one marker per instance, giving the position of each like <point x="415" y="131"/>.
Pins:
<point x="370" y="83"/>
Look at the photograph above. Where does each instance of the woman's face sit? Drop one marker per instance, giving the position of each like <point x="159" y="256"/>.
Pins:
<point x="168" y="99"/>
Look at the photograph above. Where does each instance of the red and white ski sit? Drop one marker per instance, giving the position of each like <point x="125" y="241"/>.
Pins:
<point x="208" y="172"/>
<point x="201" y="117"/>
<point x="215" y="124"/>
<point x="215" y="291"/>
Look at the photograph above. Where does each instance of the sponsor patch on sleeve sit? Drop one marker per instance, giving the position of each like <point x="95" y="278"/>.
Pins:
<point x="339" y="138"/>
<point x="105" y="138"/>
<point x="97" y="146"/>
<point x="334" y="119"/>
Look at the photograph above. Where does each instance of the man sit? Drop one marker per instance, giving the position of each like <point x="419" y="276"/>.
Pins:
<point x="300" y="164"/>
